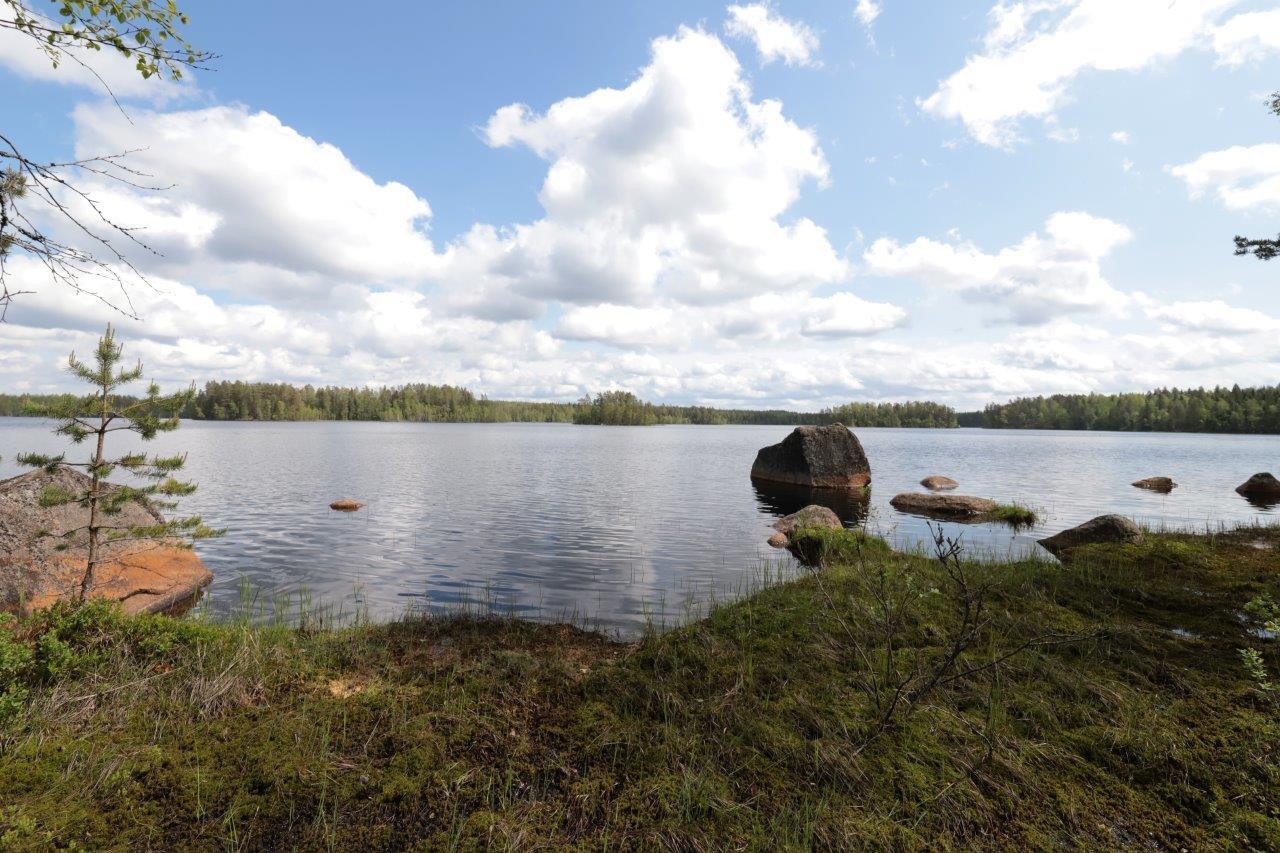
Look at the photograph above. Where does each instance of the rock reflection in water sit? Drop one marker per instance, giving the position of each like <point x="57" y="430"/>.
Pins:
<point x="851" y="505"/>
<point x="1264" y="502"/>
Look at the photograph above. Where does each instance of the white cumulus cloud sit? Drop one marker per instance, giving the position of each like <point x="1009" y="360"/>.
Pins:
<point x="1035" y="49"/>
<point x="1242" y="177"/>
<point x="774" y="36"/>
<point x="673" y="187"/>
<point x="1036" y="280"/>
<point x="866" y="12"/>
<point x="253" y="206"/>
<point x="1214" y="316"/>
<point x="1248" y="37"/>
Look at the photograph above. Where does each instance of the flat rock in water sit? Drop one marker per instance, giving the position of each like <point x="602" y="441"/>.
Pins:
<point x="939" y="483"/>
<point x="1104" y="528"/>
<point x="346" y="505"/>
<point x="146" y="577"/>
<point x="811" y="516"/>
<point x="1156" y="484"/>
<point x="956" y="507"/>
<point x="1260" y="485"/>
<point x="823" y="456"/>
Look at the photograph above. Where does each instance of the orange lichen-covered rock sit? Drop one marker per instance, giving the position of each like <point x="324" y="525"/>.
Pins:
<point x="35" y="572"/>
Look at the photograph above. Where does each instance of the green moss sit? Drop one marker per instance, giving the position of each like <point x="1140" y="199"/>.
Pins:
<point x="758" y="727"/>
<point x="1015" y="514"/>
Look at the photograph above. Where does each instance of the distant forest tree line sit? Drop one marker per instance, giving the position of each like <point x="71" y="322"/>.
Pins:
<point x="262" y="401"/>
<point x="1227" y="410"/>
<point x="624" y="408"/>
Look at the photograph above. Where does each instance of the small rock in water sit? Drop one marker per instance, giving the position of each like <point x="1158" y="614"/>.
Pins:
<point x="939" y="483"/>
<point x="346" y="505"/>
<point x="1104" y="528"/>
<point x="779" y="540"/>
<point x="1156" y="484"/>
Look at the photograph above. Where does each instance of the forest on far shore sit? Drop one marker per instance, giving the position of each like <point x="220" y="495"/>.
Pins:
<point x="1230" y="410"/>
<point x="261" y="401"/>
<point x="1223" y="410"/>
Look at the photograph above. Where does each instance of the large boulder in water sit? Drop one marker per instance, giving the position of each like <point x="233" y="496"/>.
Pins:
<point x="1104" y="528"/>
<point x="822" y="456"/>
<point x="145" y="577"/>
<point x="1262" y="485"/>
<point x="953" y="507"/>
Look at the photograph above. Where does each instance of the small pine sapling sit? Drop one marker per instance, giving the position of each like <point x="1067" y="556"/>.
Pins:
<point x="96" y="415"/>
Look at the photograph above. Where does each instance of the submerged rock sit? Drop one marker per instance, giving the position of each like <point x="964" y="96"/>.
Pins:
<point x="824" y="456"/>
<point x="939" y="483"/>
<point x="1262" y="485"/>
<point x="145" y="577"/>
<point x="1104" y="528"/>
<point x="956" y="507"/>
<point x="346" y="505"/>
<point x="1156" y="484"/>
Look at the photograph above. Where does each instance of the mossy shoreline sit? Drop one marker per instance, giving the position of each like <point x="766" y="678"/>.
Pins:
<point x="1100" y="704"/>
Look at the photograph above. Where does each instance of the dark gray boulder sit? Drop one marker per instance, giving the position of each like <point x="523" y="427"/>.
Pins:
<point x="1262" y="485"/>
<point x="1104" y="528"/>
<point x="822" y="456"/>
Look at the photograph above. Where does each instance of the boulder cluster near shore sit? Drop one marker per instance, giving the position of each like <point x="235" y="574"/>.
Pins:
<point x="831" y="457"/>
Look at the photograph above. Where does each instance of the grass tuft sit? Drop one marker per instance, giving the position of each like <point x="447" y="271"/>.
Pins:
<point x="1015" y="514"/>
<point x="821" y="546"/>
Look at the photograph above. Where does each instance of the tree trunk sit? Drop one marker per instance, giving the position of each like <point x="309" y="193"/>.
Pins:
<point x="86" y="583"/>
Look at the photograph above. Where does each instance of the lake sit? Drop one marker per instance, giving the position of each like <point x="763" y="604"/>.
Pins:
<point x="615" y="526"/>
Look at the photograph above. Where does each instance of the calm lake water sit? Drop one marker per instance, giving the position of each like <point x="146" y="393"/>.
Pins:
<point x="613" y="526"/>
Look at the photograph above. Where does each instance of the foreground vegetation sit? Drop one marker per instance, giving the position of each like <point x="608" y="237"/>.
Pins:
<point x="1230" y="410"/>
<point x="886" y="700"/>
<point x="262" y="401"/>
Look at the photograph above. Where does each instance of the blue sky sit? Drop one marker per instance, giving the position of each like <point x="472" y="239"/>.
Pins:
<point x="799" y="203"/>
